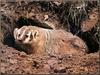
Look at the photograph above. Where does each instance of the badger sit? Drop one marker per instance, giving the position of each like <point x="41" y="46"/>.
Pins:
<point x="48" y="41"/>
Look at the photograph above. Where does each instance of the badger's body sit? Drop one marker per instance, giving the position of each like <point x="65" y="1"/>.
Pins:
<point x="47" y="41"/>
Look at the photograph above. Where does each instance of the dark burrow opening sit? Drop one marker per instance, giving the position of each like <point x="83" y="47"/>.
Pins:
<point x="92" y="43"/>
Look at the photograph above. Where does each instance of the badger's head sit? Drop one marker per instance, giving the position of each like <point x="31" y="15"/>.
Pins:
<point x="25" y="35"/>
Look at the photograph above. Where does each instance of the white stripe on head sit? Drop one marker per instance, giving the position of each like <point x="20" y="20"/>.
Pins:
<point x="15" y="33"/>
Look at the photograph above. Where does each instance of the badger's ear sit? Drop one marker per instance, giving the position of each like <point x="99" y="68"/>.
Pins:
<point x="15" y="32"/>
<point x="35" y="34"/>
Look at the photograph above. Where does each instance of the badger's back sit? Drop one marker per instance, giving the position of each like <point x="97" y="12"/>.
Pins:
<point x="62" y="42"/>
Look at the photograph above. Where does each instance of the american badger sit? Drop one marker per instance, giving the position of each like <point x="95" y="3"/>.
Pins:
<point x="49" y="41"/>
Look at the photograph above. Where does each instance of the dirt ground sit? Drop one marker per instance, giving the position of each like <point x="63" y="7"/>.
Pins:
<point x="16" y="62"/>
<point x="17" y="14"/>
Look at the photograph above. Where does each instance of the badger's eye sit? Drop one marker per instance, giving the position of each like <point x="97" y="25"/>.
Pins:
<point x="26" y="35"/>
<point x="18" y="35"/>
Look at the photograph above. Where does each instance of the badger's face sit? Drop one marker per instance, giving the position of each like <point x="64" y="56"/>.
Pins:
<point x="25" y="35"/>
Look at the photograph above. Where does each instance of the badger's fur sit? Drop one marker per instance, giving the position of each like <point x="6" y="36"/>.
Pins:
<point x="49" y="41"/>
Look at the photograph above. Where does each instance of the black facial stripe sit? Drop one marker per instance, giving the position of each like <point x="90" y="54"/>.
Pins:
<point x="21" y="32"/>
<point x="27" y="31"/>
<point x="25" y="35"/>
<point x="31" y="37"/>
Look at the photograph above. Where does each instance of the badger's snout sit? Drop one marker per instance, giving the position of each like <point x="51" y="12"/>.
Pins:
<point x="17" y="35"/>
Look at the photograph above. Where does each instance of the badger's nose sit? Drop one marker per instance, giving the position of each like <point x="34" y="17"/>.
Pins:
<point x="20" y="40"/>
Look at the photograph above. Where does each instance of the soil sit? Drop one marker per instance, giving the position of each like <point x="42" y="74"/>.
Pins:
<point x="15" y="61"/>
